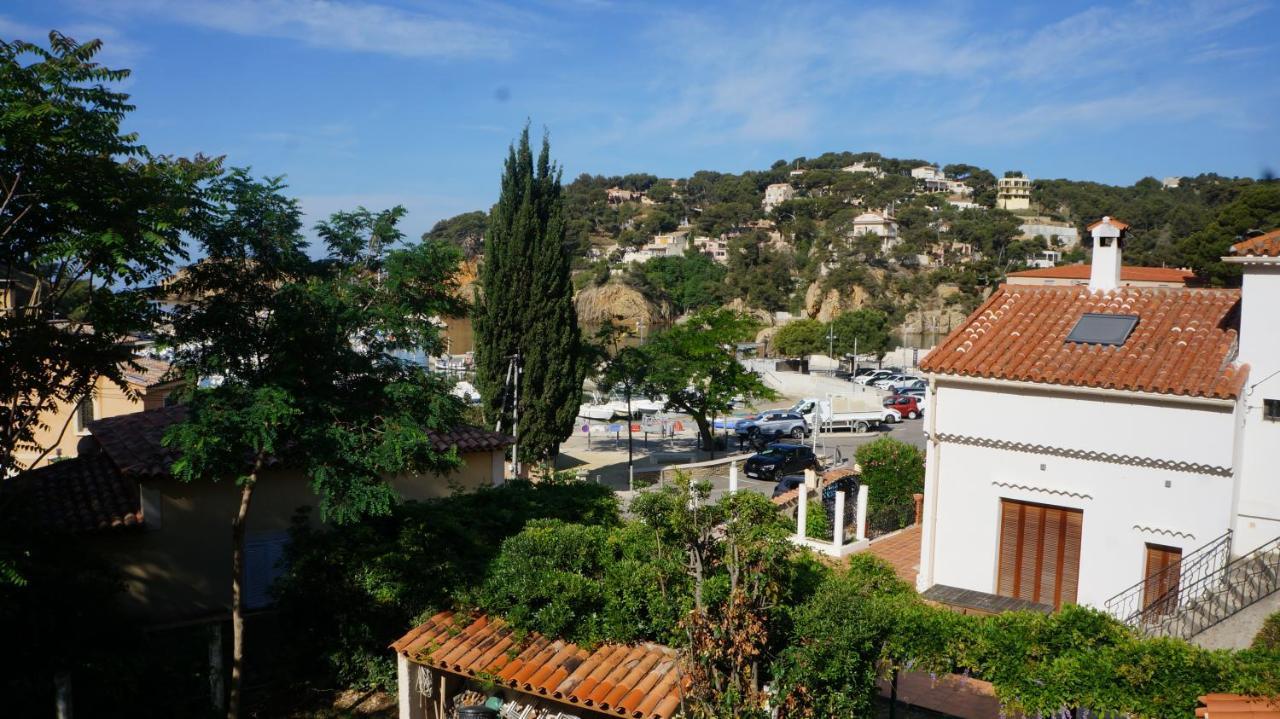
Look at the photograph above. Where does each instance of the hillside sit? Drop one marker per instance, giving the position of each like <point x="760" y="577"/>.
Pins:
<point x="815" y="237"/>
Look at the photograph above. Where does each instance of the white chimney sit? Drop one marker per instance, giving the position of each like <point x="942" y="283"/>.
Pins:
<point x="1104" y="275"/>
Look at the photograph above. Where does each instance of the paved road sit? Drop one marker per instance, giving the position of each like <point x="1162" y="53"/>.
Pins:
<point x="605" y="461"/>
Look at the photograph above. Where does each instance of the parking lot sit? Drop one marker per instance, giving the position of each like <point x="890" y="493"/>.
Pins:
<point x="604" y="458"/>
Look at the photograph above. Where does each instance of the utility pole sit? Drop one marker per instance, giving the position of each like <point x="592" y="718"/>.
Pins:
<point x="631" y="471"/>
<point x="515" y="415"/>
<point x="831" y="341"/>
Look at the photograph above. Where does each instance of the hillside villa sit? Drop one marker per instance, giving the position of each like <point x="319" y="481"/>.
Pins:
<point x="1111" y="445"/>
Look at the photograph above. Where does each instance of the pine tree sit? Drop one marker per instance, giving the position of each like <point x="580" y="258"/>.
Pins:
<point x="525" y="306"/>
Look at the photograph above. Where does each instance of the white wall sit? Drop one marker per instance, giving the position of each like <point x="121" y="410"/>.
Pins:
<point x="1259" y="508"/>
<point x="1125" y="505"/>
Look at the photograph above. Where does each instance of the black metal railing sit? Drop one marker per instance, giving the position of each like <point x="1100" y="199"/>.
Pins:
<point x="1212" y="599"/>
<point x="1146" y="603"/>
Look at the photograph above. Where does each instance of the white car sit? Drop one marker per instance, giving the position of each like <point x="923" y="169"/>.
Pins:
<point x="871" y="379"/>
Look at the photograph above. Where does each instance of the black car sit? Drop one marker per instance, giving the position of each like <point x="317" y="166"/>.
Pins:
<point x="847" y="484"/>
<point x="779" y="459"/>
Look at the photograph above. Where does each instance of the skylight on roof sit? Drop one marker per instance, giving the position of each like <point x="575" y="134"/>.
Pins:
<point x="1099" y="329"/>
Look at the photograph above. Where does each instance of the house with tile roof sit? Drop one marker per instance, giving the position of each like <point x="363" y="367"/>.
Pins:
<point x="1105" y="444"/>
<point x="148" y="385"/>
<point x="455" y="660"/>
<point x="169" y="539"/>
<point x="1075" y="275"/>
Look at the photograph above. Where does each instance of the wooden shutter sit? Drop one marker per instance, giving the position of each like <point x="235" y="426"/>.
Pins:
<point x="1160" y="592"/>
<point x="1039" y="552"/>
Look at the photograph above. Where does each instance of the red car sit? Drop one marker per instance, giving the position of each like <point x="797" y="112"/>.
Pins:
<point x="906" y="405"/>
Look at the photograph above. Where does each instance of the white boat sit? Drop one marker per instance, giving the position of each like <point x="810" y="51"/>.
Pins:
<point x="604" y="411"/>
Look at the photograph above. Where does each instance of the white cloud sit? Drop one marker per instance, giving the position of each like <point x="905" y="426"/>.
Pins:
<point x="335" y="24"/>
<point x="1164" y="104"/>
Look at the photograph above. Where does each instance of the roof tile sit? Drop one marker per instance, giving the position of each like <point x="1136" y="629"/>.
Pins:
<point x="1127" y="273"/>
<point x="641" y="680"/>
<point x="1267" y="245"/>
<point x="1185" y="341"/>
<point x="135" y="441"/>
<point x="82" y="494"/>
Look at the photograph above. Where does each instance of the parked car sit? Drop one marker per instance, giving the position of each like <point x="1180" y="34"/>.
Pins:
<point x="873" y="377"/>
<point x="889" y="381"/>
<point x="913" y="392"/>
<point x="907" y="381"/>
<point x="919" y="385"/>
<point x="847" y="484"/>
<point x="773" y="423"/>
<point x="779" y="459"/>
<point x="906" y="405"/>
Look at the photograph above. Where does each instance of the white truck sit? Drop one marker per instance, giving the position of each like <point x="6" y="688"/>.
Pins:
<point x="859" y="414"/>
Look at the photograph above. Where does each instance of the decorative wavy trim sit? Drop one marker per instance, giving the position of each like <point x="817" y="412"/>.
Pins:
<point x="1165" y="532"/>
<point x="1043" y="490"/>
<point x="1127" y="459"/>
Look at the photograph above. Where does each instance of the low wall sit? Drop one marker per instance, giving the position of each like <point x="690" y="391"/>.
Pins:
<point x="696" y="470"/>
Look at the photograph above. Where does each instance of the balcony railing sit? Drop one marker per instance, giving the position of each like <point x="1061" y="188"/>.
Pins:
<point x="1136" y="607"/>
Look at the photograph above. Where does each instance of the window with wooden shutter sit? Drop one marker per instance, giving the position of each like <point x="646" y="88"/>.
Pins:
<point x="1039" y="552"/>
<point x="1160" y="591"/>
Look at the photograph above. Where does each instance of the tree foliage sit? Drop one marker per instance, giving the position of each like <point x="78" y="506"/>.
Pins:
<point x="865" y="331"/>
<point x="525" y="306"/>
<point x="685" y="282"/>
<point x="89" y="217"/>
<point x="800" y="338"/>
<point x="694" y="365"/>
<point x="893" y="472"/>
<point x="347" y="590"/>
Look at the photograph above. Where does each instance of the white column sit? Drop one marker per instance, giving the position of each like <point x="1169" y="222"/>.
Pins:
<point x="62" y="695"/>
<point x="862" y="512"/>
<point x="404" y="687"/>
<point x="733" y="477"/>
<point x="802" y="509"/>
<point x="837" y="536"/>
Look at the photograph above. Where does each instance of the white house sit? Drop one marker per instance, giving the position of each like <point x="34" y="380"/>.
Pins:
<point x="927" y="172"/>
<point x="1057" y="234"/>
<point x="878" y="223"/>
<point x="1084" y="440"/>
<point x="864" y="168"/>
<point x="776" y="194"/>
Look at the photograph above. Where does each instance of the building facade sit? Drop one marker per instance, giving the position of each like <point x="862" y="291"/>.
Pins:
<point x="1082" y="439"/>
<point x="1013" y="193"/>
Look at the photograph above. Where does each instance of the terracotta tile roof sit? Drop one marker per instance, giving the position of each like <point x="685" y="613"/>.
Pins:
<point x="134" y="441"/>
<point x="1110" y="221"/>
<point x="1185" y="341"/>
<point x="1127" y="273"/>
<point x="640" y="681"/>
<point x="1235" y="706"/>
<point x="83" y="494"/>
<point x="148" y="372"/>
<point x="1267" y="245"/>
<point x="901" y="549"/>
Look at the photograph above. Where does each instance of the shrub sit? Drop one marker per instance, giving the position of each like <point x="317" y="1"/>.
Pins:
<point x="893" y="471"/>
<point x="348" y="592"/>
<point x="1269" y="635"/>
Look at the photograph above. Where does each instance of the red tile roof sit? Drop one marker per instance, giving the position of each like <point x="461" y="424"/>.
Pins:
<point x="1235" y="706"/>
<point x="1127" y="274"/>
<point x="1185" y="341"/>
<point x="148" y="372"/>
<point x="1110" y="221"/>
<point x="641" y="681"/>
<point x="83" y="494"/>
<point x="1267" y="245"/>
<point x="134" y="441"/>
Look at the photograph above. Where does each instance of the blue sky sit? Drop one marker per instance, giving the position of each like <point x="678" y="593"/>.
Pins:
<point x="414" y="103"/>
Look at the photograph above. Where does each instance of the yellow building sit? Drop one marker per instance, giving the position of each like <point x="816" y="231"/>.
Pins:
<point x="1013" y="193"/>
<point x="61" y="431"/>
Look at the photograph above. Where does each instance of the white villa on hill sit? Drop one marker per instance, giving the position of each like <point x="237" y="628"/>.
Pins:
<point x="1111" y="446"/>
<point x="878" y="223"/>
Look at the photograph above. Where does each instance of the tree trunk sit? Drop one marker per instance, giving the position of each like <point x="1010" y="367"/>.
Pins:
<point x="705" y="433"/>
<point x="237" y="593"/>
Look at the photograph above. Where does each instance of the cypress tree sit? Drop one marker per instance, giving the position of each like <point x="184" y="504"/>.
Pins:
<point x="525" y="306"/>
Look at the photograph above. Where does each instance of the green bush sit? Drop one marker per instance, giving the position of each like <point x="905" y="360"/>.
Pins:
<point x="893" y="472"/>
<point x="349" y="591"/>
<point x="816" y="525"/>
<point x="1269" y="635"/>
